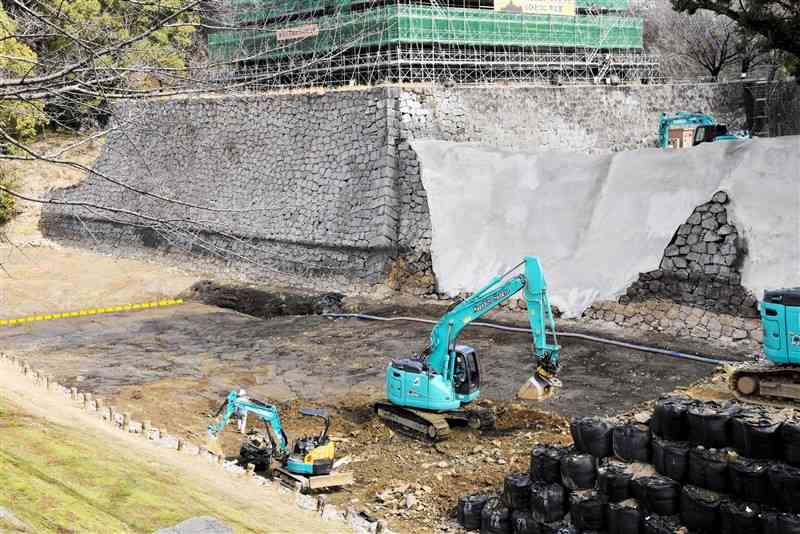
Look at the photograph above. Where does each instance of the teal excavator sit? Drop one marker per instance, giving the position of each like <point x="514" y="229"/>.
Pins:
<point x="310" y="455"/>
<point x="774" y="379"/>
<point x="706" y="129"/>
<point x="443" y="382"/>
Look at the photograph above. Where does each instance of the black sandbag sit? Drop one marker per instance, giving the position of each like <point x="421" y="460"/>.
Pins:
<point x="708" y="468"/>
<point x="548" y="502"/>
<point x="769" y="521"/>
<point x="614" y="482"/>
<point x="468" y="510"/>
<point x="546" y="463"/>
<point x="631" y="443"/>
<point x="558" y="527"/>
<point x="669" y="418"/>
<point x="579" y="471"/>
<point x="790" y="441"/>
<point x="709" y="425"/>
<point x="661" y="495"/>
<point x="756" y="435"/>
<point x="623" y="518"/>
<point x="700" y="509"/>
<point x="749" y="479"/>
<point x="671" y="458"/>
<point x="495" y="517"/>
<point x="517" y="491"/>
<point x="736" y="517"/>
<point x="784" y="481"/>
<point x="592" y="435"/>
<point x="788" y="523"/>
<point x="638" y="491"/>
<point x="587" y="510"/>
<point x="523" y="523"/>
<point x="657" y="524"/>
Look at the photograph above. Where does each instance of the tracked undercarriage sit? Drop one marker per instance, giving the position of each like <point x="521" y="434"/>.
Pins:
<point x="433" y="425"/>
<point x="766" y="383"/>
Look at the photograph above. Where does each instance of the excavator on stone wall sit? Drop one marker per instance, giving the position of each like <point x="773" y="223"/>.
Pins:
<point x="684" y="129"/>
<point x="443" y="382"/>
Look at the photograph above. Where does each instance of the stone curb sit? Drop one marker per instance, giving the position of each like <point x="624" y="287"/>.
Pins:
<point x="359" y="521"/>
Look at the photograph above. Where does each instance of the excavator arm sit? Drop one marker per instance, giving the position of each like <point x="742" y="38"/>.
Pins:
<point x="241" y="406"/>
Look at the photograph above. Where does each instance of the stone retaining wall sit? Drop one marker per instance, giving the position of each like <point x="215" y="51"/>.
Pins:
<point x="678" y="320"/>
<point x="586" y="119"/>
<point x="294" y="183"/>
<point x="326" y="185"/>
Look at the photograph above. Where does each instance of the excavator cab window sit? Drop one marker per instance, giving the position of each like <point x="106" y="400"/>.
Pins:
<point x="707" y="134"/>
<point x="467" y="375"/>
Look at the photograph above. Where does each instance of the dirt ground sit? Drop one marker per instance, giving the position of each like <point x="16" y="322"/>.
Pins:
<point x="173" y="367"/>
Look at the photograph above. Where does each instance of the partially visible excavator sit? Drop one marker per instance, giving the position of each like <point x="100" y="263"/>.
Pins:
<point x="774" y="381"/>
<point x="443" y="383"/>
<point x="684" y="129"/>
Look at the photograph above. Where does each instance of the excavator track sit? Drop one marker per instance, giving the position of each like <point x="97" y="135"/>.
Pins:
<point x="434" y="425"/>
<point x="766" y="383"/>
<point x="430" y="425"/>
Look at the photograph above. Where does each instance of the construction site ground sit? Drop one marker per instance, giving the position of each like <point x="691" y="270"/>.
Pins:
<point x="172" y="366"/>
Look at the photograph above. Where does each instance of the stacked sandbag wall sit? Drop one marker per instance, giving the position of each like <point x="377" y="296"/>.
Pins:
<point x="693" y="467"/>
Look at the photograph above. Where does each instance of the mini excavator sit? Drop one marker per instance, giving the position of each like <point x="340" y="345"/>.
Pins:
<point x="425" y="391"/>
<point x="310" y="455"/>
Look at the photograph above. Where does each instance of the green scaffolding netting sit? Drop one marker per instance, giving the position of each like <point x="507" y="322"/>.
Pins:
<point x="250" y="11"/>
<point x="406" y="24"/>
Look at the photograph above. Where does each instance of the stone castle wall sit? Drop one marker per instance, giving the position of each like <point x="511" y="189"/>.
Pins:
<point x="327" y="184"/>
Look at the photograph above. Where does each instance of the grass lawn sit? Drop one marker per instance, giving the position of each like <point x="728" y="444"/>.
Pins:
<point x="58" y="480"/>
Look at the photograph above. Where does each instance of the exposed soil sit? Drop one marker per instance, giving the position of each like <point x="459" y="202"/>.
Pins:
<point x="173" y="367"/>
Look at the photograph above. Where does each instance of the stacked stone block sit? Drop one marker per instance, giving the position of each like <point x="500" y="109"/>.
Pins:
<point x="701" y="265"/>
<point x="295" y="183"/>
<point x="679" y="320"/>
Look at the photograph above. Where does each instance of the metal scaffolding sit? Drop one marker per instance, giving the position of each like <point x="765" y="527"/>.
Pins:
<point x="336" y="42"/>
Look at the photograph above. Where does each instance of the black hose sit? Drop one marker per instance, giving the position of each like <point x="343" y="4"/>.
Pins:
<point x="643" y="348"/>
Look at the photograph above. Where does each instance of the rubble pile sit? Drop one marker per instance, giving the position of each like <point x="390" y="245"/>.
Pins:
<point x="688" y="467"/>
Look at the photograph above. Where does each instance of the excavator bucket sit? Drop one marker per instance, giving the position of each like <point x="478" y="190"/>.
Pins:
<point x="539" y="387"/>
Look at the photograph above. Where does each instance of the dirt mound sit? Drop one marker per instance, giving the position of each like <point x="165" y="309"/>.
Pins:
<point x="262" y="303"/>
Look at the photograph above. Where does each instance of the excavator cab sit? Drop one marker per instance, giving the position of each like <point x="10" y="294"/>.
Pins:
<point x="313" y="455"/>
<point x="708" y="133"/>
<point x="467" y="372"/>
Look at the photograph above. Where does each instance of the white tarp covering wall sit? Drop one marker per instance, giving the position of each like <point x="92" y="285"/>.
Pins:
<point x="598" y="221"/>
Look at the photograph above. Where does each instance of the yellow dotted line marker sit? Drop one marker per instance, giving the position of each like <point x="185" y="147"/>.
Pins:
<point x="91" y="311"/>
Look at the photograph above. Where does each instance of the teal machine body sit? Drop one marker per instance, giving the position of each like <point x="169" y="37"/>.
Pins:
<point x="780" y="320"/>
